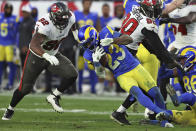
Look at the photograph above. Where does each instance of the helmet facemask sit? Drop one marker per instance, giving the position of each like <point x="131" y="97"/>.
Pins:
<point x="152" y="9"/>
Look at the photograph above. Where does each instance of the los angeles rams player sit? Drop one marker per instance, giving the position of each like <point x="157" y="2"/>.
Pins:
<point x="8" y="33"/>
<point x="187" y="117"/>
<point x="126" y="68"/>
<point x="83" y="18"/>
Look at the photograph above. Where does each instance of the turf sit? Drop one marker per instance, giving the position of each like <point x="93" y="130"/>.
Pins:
<point x="81" y="113"/>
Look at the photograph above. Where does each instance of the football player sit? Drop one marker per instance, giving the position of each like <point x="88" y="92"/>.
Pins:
<point x="43" y="53"/>
<point x="83" y="18"/>
<point x="188" y="60"/>
<point x="8" y="31"/>
<point x="126" y="68"/>
<point x="140" y="25"/>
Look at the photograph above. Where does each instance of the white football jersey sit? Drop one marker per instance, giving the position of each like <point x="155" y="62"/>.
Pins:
<point x="133" y="24"/>
<point x="184" y="34"/>
<point x="53" y="35"/>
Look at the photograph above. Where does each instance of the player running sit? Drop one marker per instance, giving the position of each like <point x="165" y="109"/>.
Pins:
<point x="43" y="53"/>
<point x="126" y="68"/>
<point x="186" y="117"/>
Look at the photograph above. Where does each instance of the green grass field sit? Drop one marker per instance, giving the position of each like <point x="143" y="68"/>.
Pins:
<point x="81" y="113"/>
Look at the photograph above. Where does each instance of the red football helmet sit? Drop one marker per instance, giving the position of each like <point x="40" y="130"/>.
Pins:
<point x="59" y="15"/>
<point x="151" y="8"/>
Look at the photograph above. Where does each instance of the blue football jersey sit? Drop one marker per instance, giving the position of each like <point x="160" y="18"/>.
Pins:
<point x="82" y="19"/>
<point x="120" y="60"/>
<point x="189" y="78"/>
<point x="8" y="30"/>
<point x="104" y="21"/>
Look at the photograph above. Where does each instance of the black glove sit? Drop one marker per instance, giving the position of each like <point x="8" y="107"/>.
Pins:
<point x="164" y="21"/>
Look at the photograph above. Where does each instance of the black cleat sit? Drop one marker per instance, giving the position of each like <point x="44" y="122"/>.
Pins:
<point x="8" y="114"/>
<point x="120" y="118"/>
<point x="172" y="93"/>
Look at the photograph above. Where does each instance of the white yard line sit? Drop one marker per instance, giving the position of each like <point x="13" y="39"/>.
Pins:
<point x="71" y="111"/>
<point x="76" y="96"/>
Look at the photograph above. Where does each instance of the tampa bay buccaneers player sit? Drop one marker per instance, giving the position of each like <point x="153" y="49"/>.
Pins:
<point x="43" y="54"/>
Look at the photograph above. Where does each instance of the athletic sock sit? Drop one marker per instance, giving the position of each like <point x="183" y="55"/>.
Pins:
<point x="121" y="109"/>
<point x="158" y="98"/>
<point x="1" y="71"/>
<point x="10" y="108"/>
<point x="129" y="101"/>
<point x="56" y="92"/>
<point x="80" y="80"/>
<point x="144" y="100"/>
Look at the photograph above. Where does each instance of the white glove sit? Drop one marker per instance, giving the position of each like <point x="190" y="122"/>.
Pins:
<point x="50" y="58"/>
<point x="106" y="41"/>
<point x="99" y="52"/>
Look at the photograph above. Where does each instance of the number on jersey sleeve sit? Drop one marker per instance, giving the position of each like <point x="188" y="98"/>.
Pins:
<point x="44" y="21"/>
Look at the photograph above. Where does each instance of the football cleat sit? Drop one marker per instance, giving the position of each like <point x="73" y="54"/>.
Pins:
<point x="163" y="116"/>
<point x="173" y="95"/>
<point x="8" y="114"/>
<point x="169" y="125"/>
<point x="120" y="118"/>
<point x="54" y="101"/>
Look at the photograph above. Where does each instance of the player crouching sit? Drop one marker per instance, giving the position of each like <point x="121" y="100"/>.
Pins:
<point x="186" y="117"/>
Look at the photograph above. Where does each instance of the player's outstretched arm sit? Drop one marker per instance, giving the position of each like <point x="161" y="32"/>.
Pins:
<point x="172" y="6"/>
<point x="35" y="44"/>
<point x="122" y="40"/>
<point x="158" y="48"/>
<point x="184" y="20"/>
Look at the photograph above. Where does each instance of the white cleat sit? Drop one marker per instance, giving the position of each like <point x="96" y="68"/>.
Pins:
<point x="54" y="101"/>
<point x="169" y="125"/>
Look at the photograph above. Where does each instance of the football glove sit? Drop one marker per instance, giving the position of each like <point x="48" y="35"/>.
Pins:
<point x="99" y="52"/>
<point x="106" y="41"/>
<point x="50" y="58"/>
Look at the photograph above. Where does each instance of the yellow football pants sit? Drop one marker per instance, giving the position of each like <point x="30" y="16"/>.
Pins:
<point x="148" y="61"/>
<point x="186" y="117"/>
<point x="6" y="53"/>
<point x="137" y="77"/>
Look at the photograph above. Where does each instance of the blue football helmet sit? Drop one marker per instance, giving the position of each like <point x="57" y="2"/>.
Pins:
<point x="190" y="58"/>
<point x="88" y="37"/>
